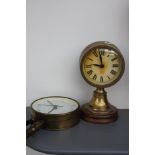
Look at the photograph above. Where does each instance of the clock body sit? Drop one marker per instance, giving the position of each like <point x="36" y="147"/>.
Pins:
<point x="101" y="64"/>
<point x="57" y="112"/>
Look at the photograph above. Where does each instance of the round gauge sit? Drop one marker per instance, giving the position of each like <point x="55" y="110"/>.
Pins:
<point x="54" y="113"/>
<point x="55" y="105"/>
<point x="102" y="64"/>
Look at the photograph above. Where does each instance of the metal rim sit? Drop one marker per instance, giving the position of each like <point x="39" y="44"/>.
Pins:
<point x="63" y="114"/>
<point x="107" y="45"/>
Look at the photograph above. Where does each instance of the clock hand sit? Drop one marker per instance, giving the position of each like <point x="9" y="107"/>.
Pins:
<point x="96" y="65"/>
<point x="52" y="109"/>
<point x="50" y="102"/>
<point x="100" y="58"/>
<point x="58" y="106"/>
<point x="45" y="105"/>
<point x="102" y="65"/>
<point x="53" y="104"/>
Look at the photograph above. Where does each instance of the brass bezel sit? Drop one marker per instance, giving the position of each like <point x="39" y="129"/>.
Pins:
<point x="103" y="44"/>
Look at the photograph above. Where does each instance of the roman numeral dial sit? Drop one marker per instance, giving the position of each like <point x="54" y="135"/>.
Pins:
<point x="101" y="66"/>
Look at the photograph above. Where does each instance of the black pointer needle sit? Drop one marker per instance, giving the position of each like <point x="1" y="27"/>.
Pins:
<point x="51" y="110"/>
<point x="50" y="103"/>
<point x="54" y="108"/>
<point x="53" y="104"/>
<point x="59" y="106"/>
<point x="96" y="65"/>
<point x="102" y="65"/>
<point x="100" y="58"/>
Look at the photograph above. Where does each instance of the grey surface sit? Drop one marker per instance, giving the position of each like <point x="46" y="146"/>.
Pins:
<point x="85" y="138"/>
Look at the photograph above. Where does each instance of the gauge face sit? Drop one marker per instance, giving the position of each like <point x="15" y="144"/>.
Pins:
<point x="55" y="105"/>
<point x="102" y="66"/>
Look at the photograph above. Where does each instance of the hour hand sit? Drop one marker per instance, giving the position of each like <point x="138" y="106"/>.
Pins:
<point x="54" y="108"/>
<point x="96" y="65"/>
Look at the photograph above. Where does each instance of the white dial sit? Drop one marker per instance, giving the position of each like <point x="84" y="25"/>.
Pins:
<point x="55" y="105"/>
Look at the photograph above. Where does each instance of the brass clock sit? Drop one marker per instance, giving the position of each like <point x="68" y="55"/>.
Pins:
<point x="53" y="113"/>
<point x="101" y="65"/>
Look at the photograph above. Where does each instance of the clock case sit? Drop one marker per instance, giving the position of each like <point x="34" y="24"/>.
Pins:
<point x="99" y="110"/>
<point x="53" y="121"/>
<point x="106" y="45"/>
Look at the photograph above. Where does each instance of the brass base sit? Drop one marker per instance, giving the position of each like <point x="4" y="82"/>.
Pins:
<point x="98" y="116"/>
<point x="99" y="110"/>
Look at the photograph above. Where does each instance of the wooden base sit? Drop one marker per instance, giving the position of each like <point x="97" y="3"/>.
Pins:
<point x="98" y="116"/>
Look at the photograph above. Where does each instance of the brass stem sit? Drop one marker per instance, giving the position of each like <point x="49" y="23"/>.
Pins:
<point x="99" y="100"/>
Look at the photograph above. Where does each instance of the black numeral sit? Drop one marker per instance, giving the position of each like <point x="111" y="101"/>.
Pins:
<point x="102" y="52"/>
<point x="95" y="77"/>
<point x="90" y="72"/>
<point x="108" y="77"/>
<point x="113" y="72"/>
<point x="95" y="53"/>
<point x="114" y="59"/>
<point x="90" y="59"/>
<point x="115" y="65"/>
<point x="101" y="79"/>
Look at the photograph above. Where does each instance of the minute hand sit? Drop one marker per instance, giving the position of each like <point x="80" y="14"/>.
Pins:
<point x="101" y="58"/>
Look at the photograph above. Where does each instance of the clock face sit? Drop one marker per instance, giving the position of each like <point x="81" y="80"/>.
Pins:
<point x="102" y="66"/>
<point x="55" y="105"/>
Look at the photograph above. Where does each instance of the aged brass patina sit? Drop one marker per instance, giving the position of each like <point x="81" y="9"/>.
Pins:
<point x="101" y="65"/>
<point x="50" y="121"/>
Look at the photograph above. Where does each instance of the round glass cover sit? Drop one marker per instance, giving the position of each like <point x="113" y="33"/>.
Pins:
<point x="102" y="66"/>
<point x="55" y="105"/>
